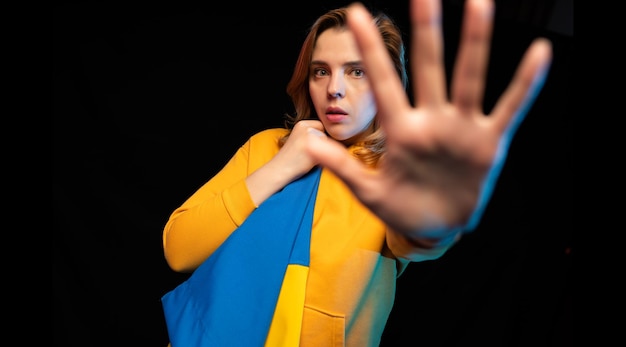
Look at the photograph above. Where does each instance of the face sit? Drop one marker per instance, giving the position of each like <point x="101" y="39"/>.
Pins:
<point x="339" y="87"/>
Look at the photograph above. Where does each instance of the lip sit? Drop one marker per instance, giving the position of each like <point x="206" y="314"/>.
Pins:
<point x="335" y="110"/>
<point x="336" y="118"/>
<point x="336" y="114"/>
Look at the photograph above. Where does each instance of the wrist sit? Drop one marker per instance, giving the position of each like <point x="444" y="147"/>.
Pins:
<point x="436" y="242"/>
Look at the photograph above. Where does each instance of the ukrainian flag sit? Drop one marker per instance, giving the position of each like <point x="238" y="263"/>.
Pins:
<point x="250" y="291"/>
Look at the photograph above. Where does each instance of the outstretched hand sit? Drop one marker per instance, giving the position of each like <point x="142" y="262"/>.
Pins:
<point x="444" y="154"/>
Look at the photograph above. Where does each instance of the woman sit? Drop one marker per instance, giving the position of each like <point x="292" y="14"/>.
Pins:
<point x="399" y="183"/>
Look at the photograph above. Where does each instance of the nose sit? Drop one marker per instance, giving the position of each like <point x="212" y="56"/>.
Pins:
<point x="336" y="94"/>
<point x="336" y="87"/>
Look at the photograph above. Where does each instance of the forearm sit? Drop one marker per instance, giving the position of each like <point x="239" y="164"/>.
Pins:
<point x="267" y="180"/>
<point x="197" y="228"/>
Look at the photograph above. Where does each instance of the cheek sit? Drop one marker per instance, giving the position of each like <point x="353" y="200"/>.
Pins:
<point x="317" y="93"/>
<point x="367" y="106"/>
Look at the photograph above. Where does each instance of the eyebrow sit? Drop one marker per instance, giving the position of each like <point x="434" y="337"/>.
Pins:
<point x="350" y="63"/>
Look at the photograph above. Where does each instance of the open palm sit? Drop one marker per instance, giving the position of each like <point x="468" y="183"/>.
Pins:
<point x="444" y="154"/>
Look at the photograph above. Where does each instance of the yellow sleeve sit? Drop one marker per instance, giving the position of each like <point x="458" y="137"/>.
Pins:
<point x="200" y="225"/>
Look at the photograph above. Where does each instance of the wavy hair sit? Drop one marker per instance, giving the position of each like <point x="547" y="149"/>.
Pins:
<point x="372" y="147"/>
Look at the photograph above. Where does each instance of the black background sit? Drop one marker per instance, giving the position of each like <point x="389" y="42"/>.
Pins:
<point x="151" y="99"/>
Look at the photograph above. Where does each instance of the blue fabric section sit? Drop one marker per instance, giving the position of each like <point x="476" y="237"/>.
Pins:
<point x="302" y="248"/>
<point x="230" y="299"/>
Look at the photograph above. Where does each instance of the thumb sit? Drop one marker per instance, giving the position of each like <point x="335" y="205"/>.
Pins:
<point x="334" y="156"/>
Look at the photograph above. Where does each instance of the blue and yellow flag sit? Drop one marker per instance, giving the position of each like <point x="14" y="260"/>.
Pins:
<point x="250" y="291"/>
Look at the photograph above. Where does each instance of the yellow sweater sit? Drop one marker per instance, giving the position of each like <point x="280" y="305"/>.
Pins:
<point x="354" y="259"/>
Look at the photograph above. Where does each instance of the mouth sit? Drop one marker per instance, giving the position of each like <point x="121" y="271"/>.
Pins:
<point x="336" y="114"/>
<point x="336" y="118"/>
<point x="336" y="111"/>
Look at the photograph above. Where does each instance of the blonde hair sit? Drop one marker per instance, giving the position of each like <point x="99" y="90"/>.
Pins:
<point x="372" y="147"/>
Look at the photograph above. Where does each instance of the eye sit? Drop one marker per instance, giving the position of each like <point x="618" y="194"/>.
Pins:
<point x="319" y="72"/>
<point x="358" y="73"/>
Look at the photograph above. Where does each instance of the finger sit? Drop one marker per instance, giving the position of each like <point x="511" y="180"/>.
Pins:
<point x="470" y="71"/>
<point x="332" y="155"/>
<point x="311" y="123"/>
<point x="428" y="69"/>
<point x="387" y="87"/>
<point x="528" y="80"/>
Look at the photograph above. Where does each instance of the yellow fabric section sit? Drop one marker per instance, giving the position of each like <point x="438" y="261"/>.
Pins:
<point x="287" y="321"/>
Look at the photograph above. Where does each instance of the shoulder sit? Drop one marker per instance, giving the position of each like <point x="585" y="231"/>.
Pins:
<point x="273" y="134"/>
<point x="266" y="140"/>
<point x="262" y="146"/>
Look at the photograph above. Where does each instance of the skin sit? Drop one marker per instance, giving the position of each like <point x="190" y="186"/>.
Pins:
<point x="443" y="154"/>
<point x="339" y="88"/>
